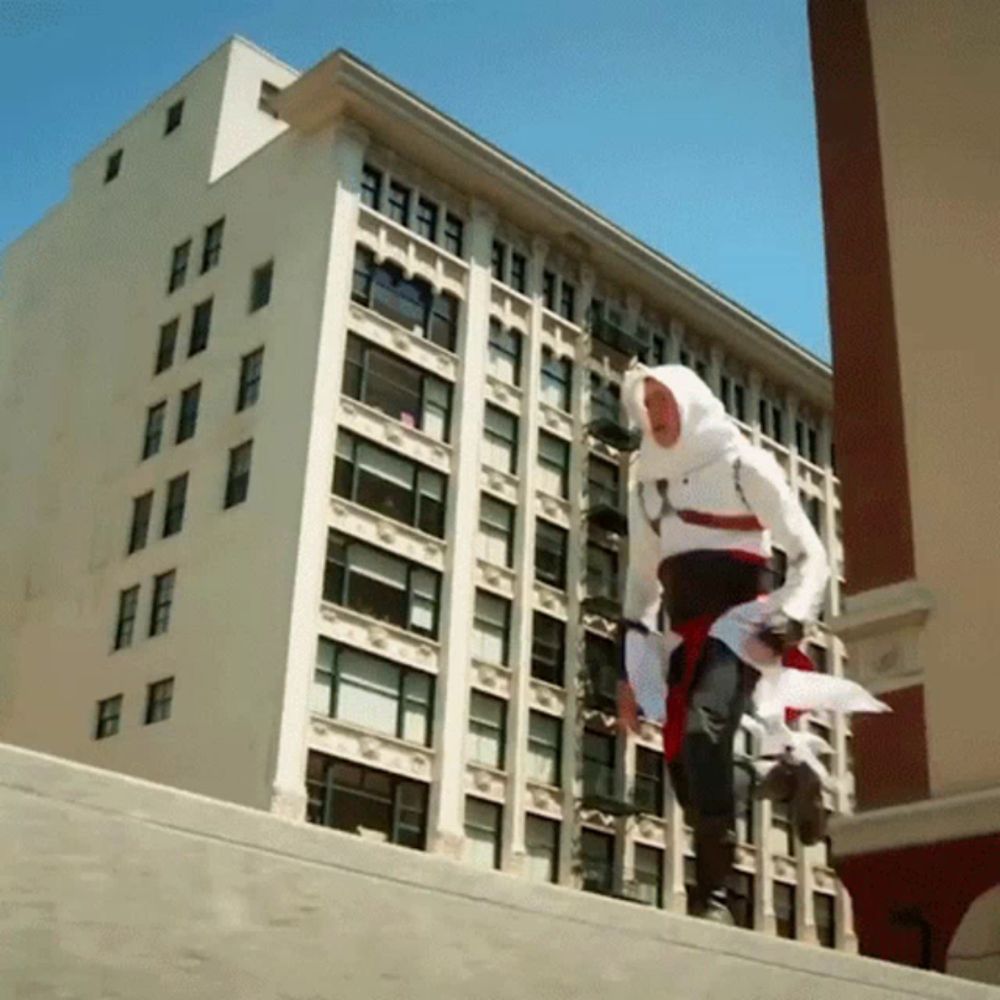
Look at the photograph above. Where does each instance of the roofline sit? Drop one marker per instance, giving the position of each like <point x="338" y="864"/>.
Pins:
<point x="345" y="69"/>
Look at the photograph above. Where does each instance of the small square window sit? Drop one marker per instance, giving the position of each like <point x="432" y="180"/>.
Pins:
<point x="174" y="114"/>
<point x="159" y="701"/>
<point x="260" y="286"/>
<point x="109" y="716"/>
<point x="114" y="166"/>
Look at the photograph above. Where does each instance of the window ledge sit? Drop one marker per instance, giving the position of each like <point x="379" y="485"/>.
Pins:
<point x="370" y="748"/>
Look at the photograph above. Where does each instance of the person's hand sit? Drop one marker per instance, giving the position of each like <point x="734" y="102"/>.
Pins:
<point x="781" y="635"/>
<point x="628" y="708"/>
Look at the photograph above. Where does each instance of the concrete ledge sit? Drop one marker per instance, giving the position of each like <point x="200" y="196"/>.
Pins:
<point x="113" y="887"/>
<point x="931" y="821"/>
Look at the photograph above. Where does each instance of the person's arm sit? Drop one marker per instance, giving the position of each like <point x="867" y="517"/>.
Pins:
<point x="642" y="596"/>
<point x="769" y="496"/>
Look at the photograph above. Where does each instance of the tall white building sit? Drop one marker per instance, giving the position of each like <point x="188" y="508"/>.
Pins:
<point x="313" y="476"/>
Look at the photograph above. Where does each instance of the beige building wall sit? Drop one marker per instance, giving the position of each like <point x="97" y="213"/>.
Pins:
<point x="937" y="76"/>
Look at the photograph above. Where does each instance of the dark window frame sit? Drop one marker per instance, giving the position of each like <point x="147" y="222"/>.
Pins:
<point x="161" y="607"/>
<point x="404" y="697"/>
<point x="180" y="258"/>
<point x="175" y="115"/>
<point x="166" y="346"/>
<point x="159" y="701"/>
<point x="495" y="346"/>
<point x="548" y="651"/>
<point x="598" y="871"/>
<point x="176" y="503"/>
<point x="113" y="165"/>
<point x="557" y="370"/>
<point x="251" y="375"/>
<point x="496" y="828"/>
<point x="555" y="579"/>
<point x="506" y="530"/>
<point x="495" y="729"/>
<point x="562" y="468"/>
<point x="350" y="468"/>
<point x="187" y="413"/>
<point x="156" y="418"/>
<point x="453" y="234"/>
<point x="650" y="784"/>
<point x="399" y="203"/>
<point x="238" y="477"/>
<point x="507" y="605"/>
<point x="261" y="282"/>
<point x="338" y="570"/>
<point x="142" y="513"/>
<point x="494" y="435"/>
<point x="533" y="741"/>
<point x="372" y="180"/>
<point x="211" y="249"/>
<point x="425" y="219"/>
<point x="125" y="619"/>
<point x="201" y="326"/>
<point x="108" y="723"/>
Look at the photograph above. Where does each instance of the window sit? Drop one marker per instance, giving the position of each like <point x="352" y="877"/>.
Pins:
<point x="602" y="483"/>
<point x="498" y="260"/>
<point x="548" y="649"/>
<point x="649" y="781"/>
<point x="541" y="841"/>
<point x="783" y="833"/>
<point x="212" y="247"/>
<point x="491" y="628"/>
<point x="251" y="369"/>
<point x="784" y="909"/>
<point x="179" y="258"/>
<point x="401" y="390"/>
<point x="598" y="850"/>
<point x="371" y="187"/>
<point x="410" y="302"/>
<point x="173" y="515"/>
<point x="383" y="586"/>
<point x="553" y="464"/>
<point x="601" y="658"/>
<point x="155" y="418"/>
<point x="138" y="535"/>
<point x="602" y="572"/>
<point x="443" y="326"/>
<point x="496" y="531"/>
<point x="201" y="324"/>
<point x="128" y="605"/>
<point x="260" y="286"/>
<point x="163" y="600"/>
<point x="739" y="402"/>
<point x="690" y="882"/>
<point x="487" y="739"/>
<point x="605" y="400"/>
<point x="482" y="832"/>
<point x="167" y="346"/>
<point x="567" y="301"/>
<point x="427" y="219"/>
<point x="390" y="484"/>
<point x="822" y="730"/>
<point x="557" y="374"/>
<point x="399" y="203"/>
<point x="598" y="764"/>
<point x="349" y="797"/>
<point x="814" y="511"/>
<point x="373" y="692"/>
<point x="504" y="358"/>
<point x="518" y="271"/>
<point x="174" y="114"/>
<point x="648" y="874"/>
<point x="550" y="554"/>
<point x="113" y="167"/>
<point x="824" y="907"/>
<point x="544" y="748"/>
<point x="549" y="290"/>
<point x="159" y="701"/>
<point x="238" y="477"/>
<point x="109" y="715"/>
<point x="741" y="899"/>
<point x="187" y="418"/>
<point x="500" y="439"/>
<point x="265" y="98"/>
<point x="453" y="234"/>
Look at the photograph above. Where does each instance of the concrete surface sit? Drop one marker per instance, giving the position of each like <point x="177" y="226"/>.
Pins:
<point x="112" y="889"/>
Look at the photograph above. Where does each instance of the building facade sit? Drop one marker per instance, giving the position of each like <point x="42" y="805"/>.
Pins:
<point x="909" y="154"/>
<point x="310" y="411"/>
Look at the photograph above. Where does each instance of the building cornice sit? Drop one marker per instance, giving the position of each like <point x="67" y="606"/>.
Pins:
<point x="884" y="609"/>
<point x="955" y="817"/>
<point x="341" y="85"/>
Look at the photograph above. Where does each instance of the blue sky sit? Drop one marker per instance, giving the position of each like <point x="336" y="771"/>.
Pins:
<point x="688" y="122"/>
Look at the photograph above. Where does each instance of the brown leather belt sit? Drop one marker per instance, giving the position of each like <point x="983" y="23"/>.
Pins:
<point x="710" y="582"/>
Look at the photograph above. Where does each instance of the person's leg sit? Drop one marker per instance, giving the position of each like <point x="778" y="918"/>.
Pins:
<point x="716" y="704"/>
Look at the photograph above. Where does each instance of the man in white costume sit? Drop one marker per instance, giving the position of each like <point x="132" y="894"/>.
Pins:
<point x="706" y="640"/>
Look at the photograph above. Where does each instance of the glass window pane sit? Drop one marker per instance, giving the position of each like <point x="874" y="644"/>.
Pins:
<point x="542" y="845"/>
<point x="368" y="691"/>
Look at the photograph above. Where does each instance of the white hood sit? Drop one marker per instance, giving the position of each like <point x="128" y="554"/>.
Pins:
<point x="706" y="432"/>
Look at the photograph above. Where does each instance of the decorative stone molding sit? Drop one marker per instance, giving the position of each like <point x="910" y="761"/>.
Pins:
<point x="351" y="628"/>
<point x="491" y="677"/>
<point x="342" y="739"/>
<point x="881" y="628"/>
<point x="485" y="783"/>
